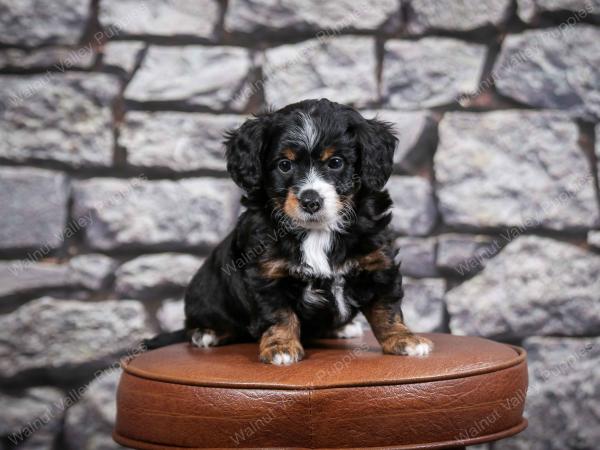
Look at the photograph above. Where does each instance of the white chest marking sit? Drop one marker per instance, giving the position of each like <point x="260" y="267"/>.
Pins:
<point x="315" y="246"/>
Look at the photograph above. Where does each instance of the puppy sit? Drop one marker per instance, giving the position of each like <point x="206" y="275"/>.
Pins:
<point x="312" y="247"/>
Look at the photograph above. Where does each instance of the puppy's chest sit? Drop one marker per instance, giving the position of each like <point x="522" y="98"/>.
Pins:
<point x="315" y="260"/>
<point x="325" y="283"/>
<point x="327" y="294"/>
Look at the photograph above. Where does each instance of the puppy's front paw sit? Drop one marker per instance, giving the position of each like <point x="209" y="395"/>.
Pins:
<point x="411" y="345"/>
<point x="282" y="354"/>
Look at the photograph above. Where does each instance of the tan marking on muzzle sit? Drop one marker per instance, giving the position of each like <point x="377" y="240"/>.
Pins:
<point x="291" y="205"/>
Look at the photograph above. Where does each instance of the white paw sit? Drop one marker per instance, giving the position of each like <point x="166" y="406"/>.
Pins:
<point x="283" y="359"/>
<point x="349" y="331"/>
<point x="204" y="338"/>
<point x="420" y="349"/>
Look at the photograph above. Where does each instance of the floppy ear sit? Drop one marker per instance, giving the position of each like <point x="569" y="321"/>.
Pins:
<point x="377" y="144"/>
<point x="243" y="151"/>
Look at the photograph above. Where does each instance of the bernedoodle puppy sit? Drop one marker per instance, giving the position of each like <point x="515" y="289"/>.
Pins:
<point x="312" y="247"/>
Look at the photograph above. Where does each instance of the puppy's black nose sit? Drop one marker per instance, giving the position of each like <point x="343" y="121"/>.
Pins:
<point x="311" y="201"/>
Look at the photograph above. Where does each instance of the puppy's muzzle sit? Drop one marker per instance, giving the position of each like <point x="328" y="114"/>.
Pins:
<point x="311" y="201"/>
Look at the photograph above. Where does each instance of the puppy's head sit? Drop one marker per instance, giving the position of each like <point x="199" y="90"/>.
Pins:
<point x="309" y="159"/>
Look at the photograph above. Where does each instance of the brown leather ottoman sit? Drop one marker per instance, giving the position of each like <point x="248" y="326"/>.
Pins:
<point x="345" y="394"/>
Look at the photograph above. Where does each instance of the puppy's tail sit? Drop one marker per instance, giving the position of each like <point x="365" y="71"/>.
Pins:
<point x="164" y="339"/>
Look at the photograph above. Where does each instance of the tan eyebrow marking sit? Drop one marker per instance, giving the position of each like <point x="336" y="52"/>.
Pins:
<point x="327" y="153"/>
<point x="289" y="154"/>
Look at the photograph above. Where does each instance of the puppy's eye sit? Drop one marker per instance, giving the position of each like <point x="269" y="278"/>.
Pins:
<point x="335" y="163"/>
<point x="285" y="165"/>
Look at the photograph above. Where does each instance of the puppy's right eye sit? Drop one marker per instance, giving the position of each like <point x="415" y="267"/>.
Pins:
<point x="285" y="165"/>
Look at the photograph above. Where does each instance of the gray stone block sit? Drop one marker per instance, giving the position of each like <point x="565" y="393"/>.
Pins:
<point x="514" y="169"/>
<point x="19" y="277"/>
<point x="49" y="334"/>
<point x="156" y="275"/>
<point x="253" y="16"/>
<point x="31" y="23"/>
<point x="156" y="214"/>
<point x="430" y="72"/>
<point x="341" y="69"/>
<point x="196" y="18"/>
<point x="54" y="117"/>
<point x="26" y="276"/>
<point x="208" y="77"/>
<point x="423" y="304"/>
<point x="535" y="286"/>
<point x="417" y="256"/>
<point x="462" y="254"/>
<point x="552" y="68"/>
<point x="176" y="141"/>
<point x="34" y="208"/>
<point x="414" y="212"/>
<point x="451" y="15"/>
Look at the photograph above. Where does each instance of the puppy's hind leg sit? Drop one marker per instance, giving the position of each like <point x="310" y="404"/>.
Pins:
<point x="208" y="338"/>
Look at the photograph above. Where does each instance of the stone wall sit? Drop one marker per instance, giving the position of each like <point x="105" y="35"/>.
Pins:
<point x="113" y="189"/>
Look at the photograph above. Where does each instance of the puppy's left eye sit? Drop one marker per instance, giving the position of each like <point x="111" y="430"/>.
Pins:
<point x="285" y="165"/>
<point x="335" y="163"/>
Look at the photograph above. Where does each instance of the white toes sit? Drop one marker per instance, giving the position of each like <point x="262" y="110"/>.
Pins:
<point x="422" y="349"/>
<point x="204" y="338"/>
<point x="282" y="359"/>
<point x="351" y="330"/>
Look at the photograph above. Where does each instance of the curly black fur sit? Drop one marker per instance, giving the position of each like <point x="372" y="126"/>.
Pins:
<point x="232" y="294"/>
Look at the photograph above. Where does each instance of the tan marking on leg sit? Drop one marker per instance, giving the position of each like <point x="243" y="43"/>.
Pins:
<point x="327" y="153"/>
<point x="274" y="268"/>
<point x="280" y="343"/>
<point x="291" y="205"/>
<point x="289" y="154"/>
<point x="376" y="260"/>
<point x="391" y="332"/>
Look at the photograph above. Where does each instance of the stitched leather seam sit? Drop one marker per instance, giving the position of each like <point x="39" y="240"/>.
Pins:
<point x="500" y="367"/>
<point x="511" y="431"/>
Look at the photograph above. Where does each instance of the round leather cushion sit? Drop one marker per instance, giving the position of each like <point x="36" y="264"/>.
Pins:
<point x="344" y="394"/>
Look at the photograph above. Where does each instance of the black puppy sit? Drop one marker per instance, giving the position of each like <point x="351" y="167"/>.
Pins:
<point x="312" y="248"/>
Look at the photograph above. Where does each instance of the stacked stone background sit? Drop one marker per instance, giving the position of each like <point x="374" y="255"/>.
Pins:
<point x="113" y="189"/>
